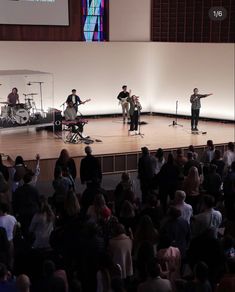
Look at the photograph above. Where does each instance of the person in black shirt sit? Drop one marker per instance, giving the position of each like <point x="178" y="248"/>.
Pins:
<point x="122" y="97"/>
<point x="75" y="99"/>
<point x="90" y="170"/>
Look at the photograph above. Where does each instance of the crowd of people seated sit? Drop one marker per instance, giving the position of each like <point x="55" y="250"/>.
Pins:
<point x="179" y="236"/>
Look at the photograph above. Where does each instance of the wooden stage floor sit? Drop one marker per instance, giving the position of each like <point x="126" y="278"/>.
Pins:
<point x="115" y="138"/>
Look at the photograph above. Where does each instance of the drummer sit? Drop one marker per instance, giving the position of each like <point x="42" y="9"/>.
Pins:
<point x="13" y="97"/>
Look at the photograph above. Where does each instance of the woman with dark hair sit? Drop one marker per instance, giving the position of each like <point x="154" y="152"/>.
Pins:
<point x="145" y="231"/>
<point x="20" y="170"/>
<point x="209" y="153"/>
<point x="4" y="169"/>
<point x="168" y="181"/>
<point x="71" y="206"/>
<point x="65" y="160"/>
<point x="42" y="225"/>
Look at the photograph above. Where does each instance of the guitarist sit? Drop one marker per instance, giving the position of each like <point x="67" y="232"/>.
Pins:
<point x="123" y="99"/>
<point x="74" y="99"/>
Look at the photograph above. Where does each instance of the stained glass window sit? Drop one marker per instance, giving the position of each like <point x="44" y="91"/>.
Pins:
<point x="94" y="20"/>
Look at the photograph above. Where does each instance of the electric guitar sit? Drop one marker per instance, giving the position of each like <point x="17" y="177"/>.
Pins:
<point x="83" y="102"/>
<point x="124" y="100"/>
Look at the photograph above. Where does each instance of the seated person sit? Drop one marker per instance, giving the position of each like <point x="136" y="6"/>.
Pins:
<point x="70" y="113"/>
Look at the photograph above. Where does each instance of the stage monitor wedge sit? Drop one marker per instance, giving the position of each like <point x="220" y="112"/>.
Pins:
<point x="34" y="12"/>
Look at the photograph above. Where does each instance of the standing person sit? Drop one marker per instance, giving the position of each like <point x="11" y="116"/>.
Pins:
<point x="64" y="161"/>
<point x="90" y="169"/>
<point x="135" y="108"/>
<point x="122" y="97"/>
<point x="229" y="155"/>
<point x="146" y="170"/>
<point x="195" y="100"/>
<point x="13" y="97"/>
<point x="154" y="281"/>
<point x="191" y="187"/>
<point x="209" y="152"/>
<point x="4" y="169"/>
<point x="75" y="99"/>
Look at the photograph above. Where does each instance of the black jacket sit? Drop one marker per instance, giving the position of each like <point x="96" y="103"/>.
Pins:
<point x="90" y="170"/>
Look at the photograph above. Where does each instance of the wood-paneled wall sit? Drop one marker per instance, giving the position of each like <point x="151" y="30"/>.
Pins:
<point x="188" y="21"/>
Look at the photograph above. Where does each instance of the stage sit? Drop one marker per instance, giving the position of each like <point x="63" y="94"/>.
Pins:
<point x="116" y="141"/>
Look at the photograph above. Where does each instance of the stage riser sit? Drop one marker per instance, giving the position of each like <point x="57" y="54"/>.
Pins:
<point x="112" y="163"/>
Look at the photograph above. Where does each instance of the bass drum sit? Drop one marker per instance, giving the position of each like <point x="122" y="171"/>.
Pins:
<point x="21" y="116"/>
<point x="4" y="111"/>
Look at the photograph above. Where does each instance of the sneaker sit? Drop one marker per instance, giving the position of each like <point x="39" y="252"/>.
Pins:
<point x="196" y="129"/>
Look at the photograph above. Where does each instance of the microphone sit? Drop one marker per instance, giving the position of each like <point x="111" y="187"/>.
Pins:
<point x="29" y="84"/>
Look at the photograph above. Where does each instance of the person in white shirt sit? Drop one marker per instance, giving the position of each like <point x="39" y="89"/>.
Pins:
<point x="207" y="221"/>
<point x="42" y="225"/>
<point x="186" y="209"/>
<point x="229" y="155"/>
<point x="160" y="160"/>
<point x="7" y="221"/>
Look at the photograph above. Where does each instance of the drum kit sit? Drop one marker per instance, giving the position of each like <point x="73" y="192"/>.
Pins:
<point x="21" y="113"/>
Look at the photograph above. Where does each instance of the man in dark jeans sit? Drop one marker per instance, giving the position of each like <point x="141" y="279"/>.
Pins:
<point x="195" y="100"/>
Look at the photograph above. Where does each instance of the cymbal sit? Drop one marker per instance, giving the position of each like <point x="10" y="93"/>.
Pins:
<point x="26" y="94"/>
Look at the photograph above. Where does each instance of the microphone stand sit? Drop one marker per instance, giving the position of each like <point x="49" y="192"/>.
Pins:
<point x="40" y="91"/>
<point x="175" y="122"/>
<point x="139" y="124"/>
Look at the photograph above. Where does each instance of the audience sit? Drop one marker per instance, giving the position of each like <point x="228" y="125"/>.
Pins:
<point x="185" y="209"/>
<point x="218" y="161"/>
<point x="191" y="186"/>
<point x="120" y="248"/>
<point x="90" y="170"/>
<point x="160" y="160"/>
<point x="65" y="161"/>
<point x="229" y="155"/>
<point x="208" y="220"/>
<point x="209" y="153"/>
<point x="107" y="241"/>
<point x="3" y="169"/>
<point x="42" y="225"/>
<point x="154" y="282"/>
<point x="146" y="171"/>
<point x="192" y="149"/>
<point x="168" y="181"/>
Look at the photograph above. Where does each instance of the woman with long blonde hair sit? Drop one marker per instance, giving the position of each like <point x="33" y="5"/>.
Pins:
<point x="191" y="187"/>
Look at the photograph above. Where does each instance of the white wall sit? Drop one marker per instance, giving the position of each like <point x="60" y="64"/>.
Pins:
<point x="159" y="72"/>
<point x="129" y="20"/>
<point x="97" y="71"/>
<point x="180" y="67"/>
